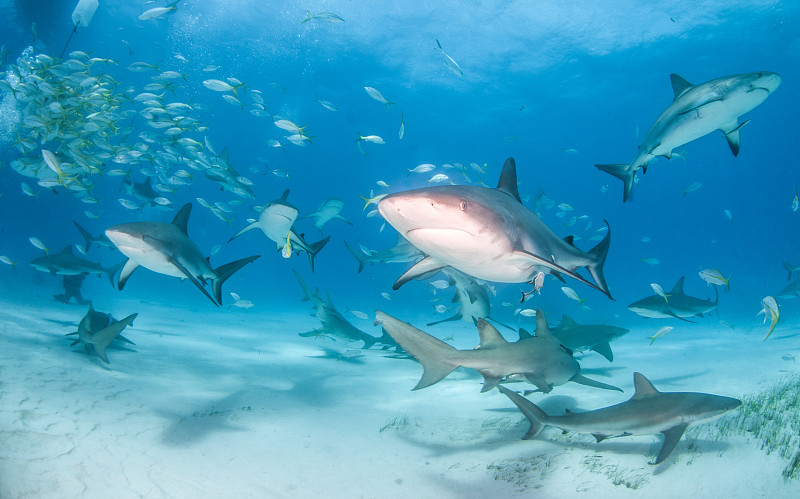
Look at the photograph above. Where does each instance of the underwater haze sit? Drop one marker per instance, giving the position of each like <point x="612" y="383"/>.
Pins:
<point x="292" y="130"/>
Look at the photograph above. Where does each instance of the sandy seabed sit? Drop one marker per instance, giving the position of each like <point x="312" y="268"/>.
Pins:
<point x="213" y="403"/>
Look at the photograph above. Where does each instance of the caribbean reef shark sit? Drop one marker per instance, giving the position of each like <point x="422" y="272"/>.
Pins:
<point x="677" y="304"/>
<point x="595" y="337"/>
<point x="97" y="330"/>
<point x="539" y="359"/>
<point x="646" y="413"/>
<point x="66" y="263"/>
<point x="166" y="249"/>
<point x="486" y="233"/>
<point x="698" y="110"/>
<point x="402" y="252"/>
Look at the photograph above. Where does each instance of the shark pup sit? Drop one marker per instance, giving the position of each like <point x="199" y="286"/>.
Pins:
<point x="648" y="412"/>
<point x="487" y="233"/>
<point x="166" y="249"/>
<point x="539" y="359"/>
<point x="677" y="305"/>
<point x="697" y="111"/>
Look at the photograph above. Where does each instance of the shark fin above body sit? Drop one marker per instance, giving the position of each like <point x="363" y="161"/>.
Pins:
<point x="181" y="220"/>
<point x="642" y="386"/>
<point x="489" y="335"/>
<point x="679" y="85"/>
<point x="508" y="179"/>
<point x="424" y="266"/>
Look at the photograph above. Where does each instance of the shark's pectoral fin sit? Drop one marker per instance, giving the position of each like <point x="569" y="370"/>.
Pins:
<point x="75" y="343"/>
<point x="539" y="381"/>
<point x="489" y="381"/>
<point x="249" y="227"/>
<point x="599" y="437"/>
<point x="731" y="131"/>
<point x="456" y="317"/>
<point x="604" y="349"/>
<point x="424" y="266"/>
<point x="127" y="270"/>
<point x="194" y="280"/>
<point x="582" y="380"/>
<point x="672" y="314"/>
<point x="671" y="438"/>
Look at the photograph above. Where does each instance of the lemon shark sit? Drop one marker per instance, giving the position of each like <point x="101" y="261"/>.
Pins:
<point x="165" y="248"/>
<point x="97" y="330"/>
<point x="487" y="233"/>
<point x="677" y="305"/>
<point x="276" y="221"/>
<point x="539" y="359"/>
<point x="698" y="110"/>
<point x="648" y="412"/>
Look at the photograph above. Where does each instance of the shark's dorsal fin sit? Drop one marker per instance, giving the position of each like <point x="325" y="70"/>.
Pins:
<point x="570" y="239"/>
<point x="678" y="287"/>
<point x="182" y="218"/>
<point x="490" y="336"/>
<point x="642" y="386"/>
<point x="508" y="179"/>
<point x="68" y="250"/>
<point x="524" y="334"/>
<point x="285" y="195"/>
<point x="679" y="84"/>
<point x="566" y="321"/>
<point x="542" y="329"/>
<point x="148" y="183"/>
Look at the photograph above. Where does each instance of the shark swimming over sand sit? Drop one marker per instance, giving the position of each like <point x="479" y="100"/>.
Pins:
<point x="698" y="110"/>
<point x="487" y="233"/>
<point x="165" y="248"/>
<point x="402" y="252"/>
<point x="97" y="330"/>
<point x="539" y="359"/>
<point x="678" y="305"/>
<point x="276" y="222"/>
<point x="648" y="412"/>
<point x="66" y="263"/>
<point x="594" y="337"/>
<point x="471" y="296"/>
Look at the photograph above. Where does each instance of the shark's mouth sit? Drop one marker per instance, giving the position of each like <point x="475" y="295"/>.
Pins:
<point x="438" y="233"/>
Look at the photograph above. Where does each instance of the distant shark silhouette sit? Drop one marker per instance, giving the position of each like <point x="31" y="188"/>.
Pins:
<point x="678" y="305"/>
<point x="97" y="330"/>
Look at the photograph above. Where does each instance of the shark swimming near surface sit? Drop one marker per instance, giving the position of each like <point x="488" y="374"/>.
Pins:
<point x="66" y="263"/>
<point x="165" y="248"/>
<point x="594" y="337"/>
<point x="276" y="221"/>
<point x="540" y="359"/>
<point x="648" y="412"/>
<point x="97" y="330"/>
<point x="698" y="110"/>
<point x="487" y="233"/>
<point x="677" y="305"/>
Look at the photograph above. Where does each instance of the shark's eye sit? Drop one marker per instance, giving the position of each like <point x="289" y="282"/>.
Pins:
<point x="462" y="206"/>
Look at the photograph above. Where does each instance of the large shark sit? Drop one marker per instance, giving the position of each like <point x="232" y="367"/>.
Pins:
<point x="648" y="412"/>
<point x="97" y="330"/>
<point x="166" y="248"/>
<point x="276" y="222"/>
<point x="677" y="304"/>
<point x="486" y="233"/>
<point x="402" y="252"/>
<point x="66" y="263"/>
<point x="539" y="359"/>
<point x="595" y="337"/>
<point x="698" y="110"/>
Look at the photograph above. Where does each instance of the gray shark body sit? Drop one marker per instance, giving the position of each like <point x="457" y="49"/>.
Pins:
<point x="677" y="305"/>
<point x="402" y="252"/>
<point x="698" y="110"/>
<point x="596" y="337"/>
<point x="66" y="263"/>
<point x="143" y="191"/>
<point x="486" y="233"/>
<point x="792" y="290"/>
<point x="539" y="359"/>
<point x="648" y="412"/>
<point x="165" y="248"/>
<point x="327" y="211"/>
<point x="97" y="330"/>
<point x="471" y="296"/>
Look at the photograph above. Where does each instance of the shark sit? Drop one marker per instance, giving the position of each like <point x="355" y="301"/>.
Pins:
<point x="97" y="330"/>
<point x="402" y="252"/>
<point x="276" y="222"/>
<point x="220" y="171"/>
<point x="647" y="412"/>
<point x="327" y="211"/>
<point x="472" y="297"/>
<point x="487" y="233"/>
<point x="539" y="359"/>
<point x="66" y="263"/>
<point x="698" y="110"/>
<point x="100" y="240"/>
<point x="792" y="290"/>
<point x="678" y="305"/>
<point x="166" y="248"/>
<point x="141" y="190"/>
<point x="594" y="337"/>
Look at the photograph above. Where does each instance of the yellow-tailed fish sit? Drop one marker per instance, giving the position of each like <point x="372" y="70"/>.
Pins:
<point x="661" y="332"/>
<point x="39" y="244"/>
<point x="714" y="276"/>
<point x="572" y="295"/>
<point x="770" y="308"/>
<point x="660" y="291"/>
<point x="375" y="94"/>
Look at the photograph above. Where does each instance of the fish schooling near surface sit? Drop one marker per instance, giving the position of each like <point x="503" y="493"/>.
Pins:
<point x="698" y="110"/>
<point x="97" y="330"/>
<point x="677" y="305"/>
<point x="541" y="360"/>
<point x="165" y="248"/>
<point x="487" y="233"/>
<point x="648" y="412"/>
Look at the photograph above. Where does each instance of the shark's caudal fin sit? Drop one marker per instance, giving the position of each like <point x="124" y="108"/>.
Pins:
<point x="102" y="338"/>
<point x="535" y="415"/>
<point x="622" y="172"/>
<point x="86" y="235"/>
<point x="315" y="248"/>
<point x="369" y="341"/>
<point x="227" y="270"/>
<point x="361" y="257"/>
<point x="598" y="258"/>
<point x="791" y="269"/>
<point x="437" y="357"/>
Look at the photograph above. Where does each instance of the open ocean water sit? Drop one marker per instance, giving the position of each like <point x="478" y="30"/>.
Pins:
<point x="229" y="105"/>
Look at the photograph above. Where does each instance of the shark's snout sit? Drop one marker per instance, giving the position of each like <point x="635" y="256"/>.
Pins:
<point x="767" y="80"/>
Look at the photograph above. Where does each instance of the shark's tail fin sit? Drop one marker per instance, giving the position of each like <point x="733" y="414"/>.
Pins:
<point x="315" y="248"/>
<point x="597" y="255"/>
<point x="369" y="341"/>
<point x="86" y="235"/>
<point x="438" y="359"/>
<point x="622" y="172"/>
<point x="102" y="338"/>
<point x="535" y="415"/>
<point x="112" y="271"/>
<point x="227" y="270"/>
<point x="791" y="269"/>
<point x="362" y="259"/>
